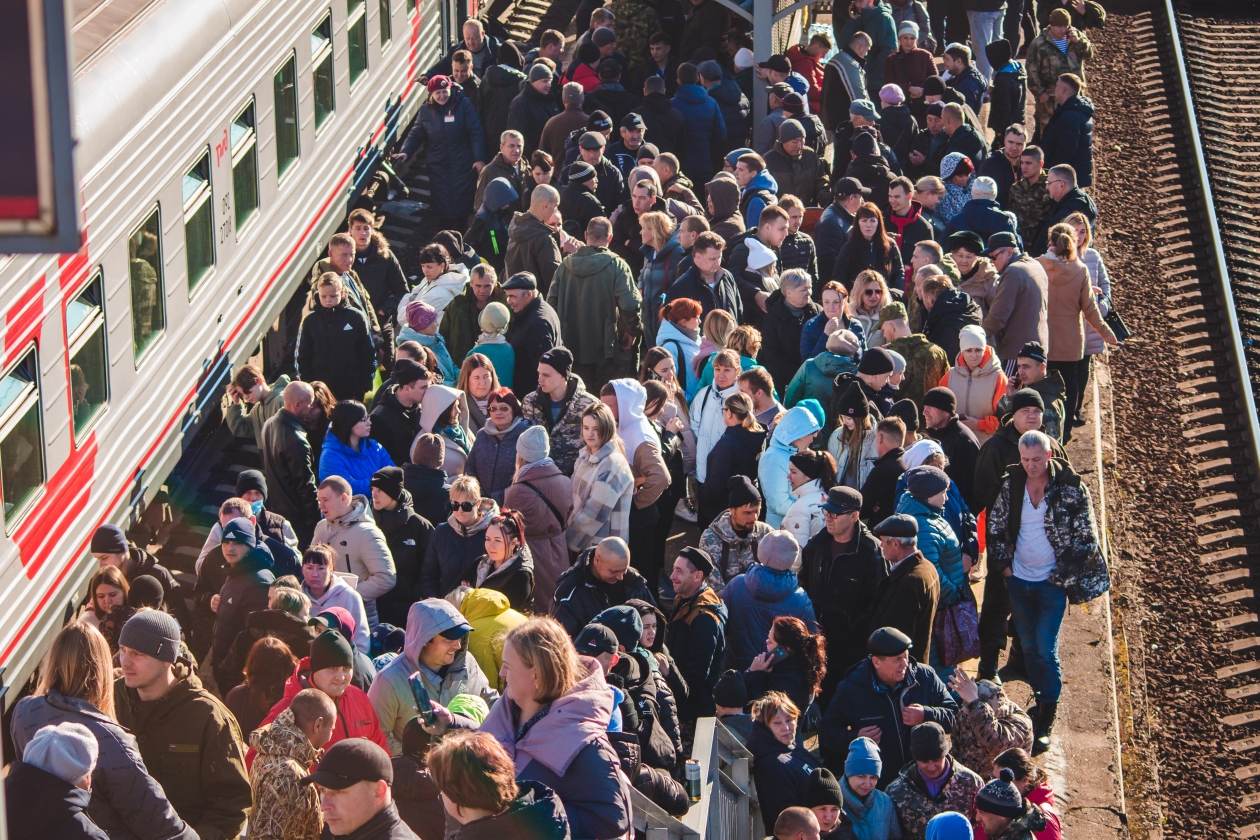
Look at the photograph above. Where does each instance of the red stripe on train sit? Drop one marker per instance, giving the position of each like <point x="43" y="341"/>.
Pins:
<point x="22" y="320"/>
<point x="67" y="495"/>
<point x="78" y="264"/>
<point x="63" y="523"/>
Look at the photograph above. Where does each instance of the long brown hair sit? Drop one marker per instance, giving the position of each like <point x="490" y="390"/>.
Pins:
<point x="108" y="576"/>
<point x="880" y="242"/>
<point x="80" y="665"/>
<point x="791" y="633"/>
<point x="269" y="665"/>
<point x="854" y="441"/>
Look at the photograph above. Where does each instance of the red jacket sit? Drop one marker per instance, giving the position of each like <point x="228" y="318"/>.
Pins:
<point x="355" y="716"/>
<point x="909" y="69"/>
<point x="584" y="74"/>
<point x="812" y="69"/>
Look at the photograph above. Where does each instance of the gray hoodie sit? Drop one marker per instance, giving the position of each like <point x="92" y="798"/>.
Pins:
<point x="391" y="695"/>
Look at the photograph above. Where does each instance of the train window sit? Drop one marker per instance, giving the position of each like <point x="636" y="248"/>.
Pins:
<point x="89" y="382"/>
<point x="322" y="61"/>
<point x="387" y="25"/>
<point x="148" y="296"/>
<point x="21" y="439"/>
<point x="198" y="222"/>
<point x="286" y="116"/>
<point x="356" y="34"/>
<point x="245" y="165"/>
<point x="411" y="6"/>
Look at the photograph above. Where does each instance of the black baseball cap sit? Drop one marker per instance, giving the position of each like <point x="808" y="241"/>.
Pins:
<point x="352" y="761"/>
<point x="851" y="186"/>
<point x="777" y="63"/>
<point x="595" y="639"/>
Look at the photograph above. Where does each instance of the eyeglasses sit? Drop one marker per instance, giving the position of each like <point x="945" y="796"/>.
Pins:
<point x="466" y="507"/>
<point x="872" y="293"/>
<point x="498" y="407"/>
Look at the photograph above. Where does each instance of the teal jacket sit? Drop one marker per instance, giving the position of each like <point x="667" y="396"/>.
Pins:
<point x="816" y="378"/>
<point x="939" y="545"/>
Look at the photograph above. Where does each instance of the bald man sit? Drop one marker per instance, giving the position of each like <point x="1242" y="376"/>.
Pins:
<point x="532" y="246"/>
<point x="288" y="463"/>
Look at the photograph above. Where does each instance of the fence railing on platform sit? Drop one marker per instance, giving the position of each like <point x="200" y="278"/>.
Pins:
<point x="727" y="809"/>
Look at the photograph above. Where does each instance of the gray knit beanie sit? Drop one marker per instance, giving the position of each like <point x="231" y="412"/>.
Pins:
<point x="779" y="551"/>
<point x="153" y="633"/>
<point x="533" y="445"/>
<point x="67" y="751"/>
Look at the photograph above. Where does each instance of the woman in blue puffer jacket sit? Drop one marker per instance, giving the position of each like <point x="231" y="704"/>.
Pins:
<point x="794" y="432"/>
<point x="348" y="451"/>
<point x="924" y="499"/>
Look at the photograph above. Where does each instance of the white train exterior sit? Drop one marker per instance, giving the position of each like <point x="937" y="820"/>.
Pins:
<point x="190" y="251"/>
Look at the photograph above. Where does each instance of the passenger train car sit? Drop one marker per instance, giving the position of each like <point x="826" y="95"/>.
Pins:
<point x="219" y="143"/>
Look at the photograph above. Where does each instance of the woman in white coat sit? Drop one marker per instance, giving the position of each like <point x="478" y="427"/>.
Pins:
<point x="811" y="474"/>
<point x="443" y="281"/>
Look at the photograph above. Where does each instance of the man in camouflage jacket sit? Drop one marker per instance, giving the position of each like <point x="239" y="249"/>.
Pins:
<point x="1029" y="198"/>
<point x="1080" y="567"/>
<point x="1046" y="62"/>
<point x="732" y="552"/>
<point x="565" y="432"/>
<point x="988" y="723"/>
<point x="909" y="792"/>
<point x="284" y="808"/>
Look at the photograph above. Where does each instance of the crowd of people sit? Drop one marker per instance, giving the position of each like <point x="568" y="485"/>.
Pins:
<point x="845" y="345"/>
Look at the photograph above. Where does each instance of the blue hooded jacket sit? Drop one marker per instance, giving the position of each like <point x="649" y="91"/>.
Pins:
<point x="763" y="180"/>
<point x="704" y="125"/>
<point x="957" y="514"/>
<point x="755" y="599"/>
<point x="736" y="110"/>
<point x="939" y="545"/>
<point x="772" y="471"/>
<point x="355" y="467"/>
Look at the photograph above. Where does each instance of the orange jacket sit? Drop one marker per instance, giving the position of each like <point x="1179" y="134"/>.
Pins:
<point x="990" y="422"/>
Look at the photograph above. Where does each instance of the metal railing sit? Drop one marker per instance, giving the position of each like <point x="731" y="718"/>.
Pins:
<point x="727" y="809"/>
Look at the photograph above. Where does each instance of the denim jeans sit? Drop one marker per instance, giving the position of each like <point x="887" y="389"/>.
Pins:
<point x="1037" y="609"/>
<point x="986" y="27"/>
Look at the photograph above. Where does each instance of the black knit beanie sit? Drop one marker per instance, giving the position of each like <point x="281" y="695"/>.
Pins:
<point x="331" y="650"/>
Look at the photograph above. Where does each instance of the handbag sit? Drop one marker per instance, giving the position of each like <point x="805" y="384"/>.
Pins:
<point x="1115" y="321"/>
<point x="956" y="631"/>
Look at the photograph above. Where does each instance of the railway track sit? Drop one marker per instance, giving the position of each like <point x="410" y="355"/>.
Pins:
<point x="1178" y="164"/>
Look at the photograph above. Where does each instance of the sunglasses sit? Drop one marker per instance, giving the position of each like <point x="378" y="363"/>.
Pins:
<point x="466" y="507"/>
<point x="872" y="292"/>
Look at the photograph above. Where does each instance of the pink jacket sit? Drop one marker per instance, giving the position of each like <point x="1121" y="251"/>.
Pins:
<point x="578" y="718"/>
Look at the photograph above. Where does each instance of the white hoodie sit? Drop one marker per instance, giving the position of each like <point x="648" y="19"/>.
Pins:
<point x="707" y="422"/>
<point x="437" y="293"/>
<point x="804" y="518"/>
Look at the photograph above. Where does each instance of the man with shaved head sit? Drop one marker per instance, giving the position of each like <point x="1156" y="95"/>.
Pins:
<point x="531" y="244"/>
<point x="288" y="462"/>
<point x="601" y="578"/>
